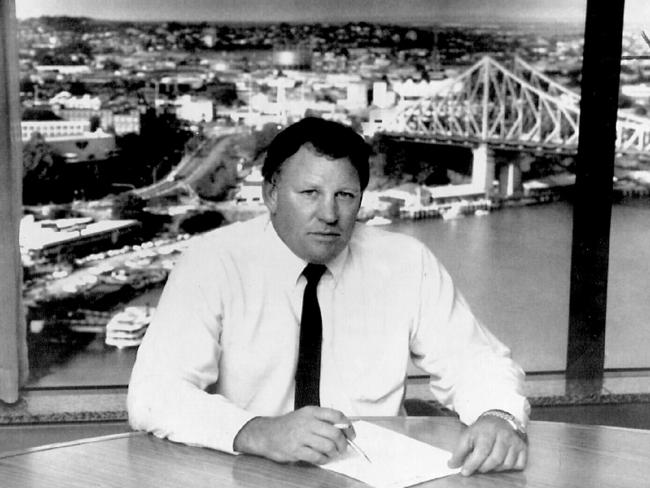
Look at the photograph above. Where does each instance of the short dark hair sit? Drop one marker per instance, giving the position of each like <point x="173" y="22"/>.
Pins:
<point x="327" y="138"/>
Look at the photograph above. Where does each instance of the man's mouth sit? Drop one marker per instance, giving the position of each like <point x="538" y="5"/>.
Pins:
<point x="326" y="235"/>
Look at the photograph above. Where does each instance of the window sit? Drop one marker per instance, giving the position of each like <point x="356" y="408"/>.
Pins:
<point x="504" y="258"/>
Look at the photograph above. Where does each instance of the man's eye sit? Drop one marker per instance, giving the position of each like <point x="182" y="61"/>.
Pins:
<point x="308" y="192"/>
<point x="346" y="195"/>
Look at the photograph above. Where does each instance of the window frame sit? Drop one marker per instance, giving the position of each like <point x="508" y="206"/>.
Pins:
<point x="593" y="190"/>
<point x="13" y="346"/>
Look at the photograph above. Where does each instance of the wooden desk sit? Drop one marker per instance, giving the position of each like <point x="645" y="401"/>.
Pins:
<point x="561" y="456"/>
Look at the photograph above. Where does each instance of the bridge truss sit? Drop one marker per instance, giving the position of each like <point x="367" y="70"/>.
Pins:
<point x="519" y="108"/>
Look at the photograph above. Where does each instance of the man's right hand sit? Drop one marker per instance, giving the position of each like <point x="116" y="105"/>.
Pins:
<point x="308" y="434"/>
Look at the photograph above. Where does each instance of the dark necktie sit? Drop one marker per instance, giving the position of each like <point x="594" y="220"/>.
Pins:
<point x="311" y="338"/>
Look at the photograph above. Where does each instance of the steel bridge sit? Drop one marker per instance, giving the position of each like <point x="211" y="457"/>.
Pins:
<point x="518" y="108"/>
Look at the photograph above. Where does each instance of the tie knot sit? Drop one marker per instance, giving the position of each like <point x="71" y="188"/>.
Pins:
<point x="313" y="272"/>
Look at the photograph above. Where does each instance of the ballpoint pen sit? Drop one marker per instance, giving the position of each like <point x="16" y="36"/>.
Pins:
<point x="345" y="429"/>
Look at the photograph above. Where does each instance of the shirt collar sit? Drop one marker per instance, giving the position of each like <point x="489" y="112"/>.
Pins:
<point x="288" y="266"/>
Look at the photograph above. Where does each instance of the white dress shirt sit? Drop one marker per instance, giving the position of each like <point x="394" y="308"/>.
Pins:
<point x="228" y="322"/>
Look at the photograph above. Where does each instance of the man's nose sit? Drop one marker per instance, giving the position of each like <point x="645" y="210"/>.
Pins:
<point x="328" y="210"/>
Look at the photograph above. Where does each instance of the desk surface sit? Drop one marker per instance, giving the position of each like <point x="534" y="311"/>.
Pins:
<point x="561" y="456"/>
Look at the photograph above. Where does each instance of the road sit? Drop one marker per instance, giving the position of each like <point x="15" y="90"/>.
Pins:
<point x="193" y="166"/>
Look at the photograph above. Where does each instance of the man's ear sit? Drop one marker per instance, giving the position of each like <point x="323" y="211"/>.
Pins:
<point x="270" y="195"/>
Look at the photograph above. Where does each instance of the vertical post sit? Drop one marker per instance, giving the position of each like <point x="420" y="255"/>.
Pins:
<point x="593" y="193"/>
<point x="485" y="118"/>
<point x="510" y="183"/>
<point x="13" y="347"/>
<point x="483" y="168"/>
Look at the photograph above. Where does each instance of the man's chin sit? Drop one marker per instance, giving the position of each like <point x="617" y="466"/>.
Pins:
<point x="323" y="254"/>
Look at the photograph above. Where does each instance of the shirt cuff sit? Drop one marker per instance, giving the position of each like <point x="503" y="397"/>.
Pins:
<point x="226" y="429"/>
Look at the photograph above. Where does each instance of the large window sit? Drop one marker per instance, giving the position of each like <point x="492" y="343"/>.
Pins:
<point x="166" y="90"/>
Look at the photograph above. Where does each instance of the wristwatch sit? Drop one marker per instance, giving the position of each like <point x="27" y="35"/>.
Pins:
<point x="517" y="426"/>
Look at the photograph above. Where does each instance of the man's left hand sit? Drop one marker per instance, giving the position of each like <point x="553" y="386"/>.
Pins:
<point x="489" y="444"/>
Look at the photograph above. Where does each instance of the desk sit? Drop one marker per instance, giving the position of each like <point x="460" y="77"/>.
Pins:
<point x="561" y="456"/>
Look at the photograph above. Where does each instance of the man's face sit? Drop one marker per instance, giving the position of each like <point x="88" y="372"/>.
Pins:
<point x="314" y="203"/>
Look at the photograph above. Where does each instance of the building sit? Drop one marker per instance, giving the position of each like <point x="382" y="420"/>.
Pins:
<point x="71" y="69"/>
<point x="118" y="123"/>
<point x="72" y="139"/>
<point x="357" y="95"/>
<point x="53" y="128"/>
<point x="53" y="239"/>
<point x="250" y="190"/>
<point x="81" y="148"/>
<point x="296" y="57"/>
<point x="194" y="109"/>
<point x="639" y="92"/>
<point x="66" y="100"/>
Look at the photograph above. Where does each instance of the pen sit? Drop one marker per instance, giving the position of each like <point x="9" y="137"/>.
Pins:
<point x="345" y="428"/>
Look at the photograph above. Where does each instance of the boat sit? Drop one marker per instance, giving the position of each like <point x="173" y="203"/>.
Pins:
<point x="454" y="211"/>
<point x="127" y="327"/>
<point x="378" y="220"/>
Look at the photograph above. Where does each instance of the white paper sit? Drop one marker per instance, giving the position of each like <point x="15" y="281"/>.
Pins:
<point x="397" y="460"/>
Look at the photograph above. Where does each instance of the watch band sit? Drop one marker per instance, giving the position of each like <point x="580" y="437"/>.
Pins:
<point x="517" y="426"/>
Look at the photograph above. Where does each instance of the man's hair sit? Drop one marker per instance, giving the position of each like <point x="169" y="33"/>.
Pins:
<point x="326" y="138"/>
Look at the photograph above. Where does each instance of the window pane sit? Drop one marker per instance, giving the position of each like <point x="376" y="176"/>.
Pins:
<point x="513" y="268"/>
<point x="628" y="331"/>
<point x="141" y="105"/>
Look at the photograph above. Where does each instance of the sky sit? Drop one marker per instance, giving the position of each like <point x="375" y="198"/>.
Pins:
<point x="325" y="10"/>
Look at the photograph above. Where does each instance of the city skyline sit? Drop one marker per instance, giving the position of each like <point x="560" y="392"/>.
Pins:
<point x="323" y="10"/>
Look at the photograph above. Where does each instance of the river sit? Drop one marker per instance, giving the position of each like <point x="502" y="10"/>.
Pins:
<point x="514" y="266"/>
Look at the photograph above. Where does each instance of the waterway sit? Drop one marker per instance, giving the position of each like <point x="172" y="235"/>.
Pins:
<point x="513" y="266"/>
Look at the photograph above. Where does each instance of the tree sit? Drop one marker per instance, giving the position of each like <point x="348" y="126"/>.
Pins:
<point x="39" y="113"/>
<point x="202" y="222"/>
<point x="158" y="147"/>
<point x="43" y="172"/>
<point x="264" y="137"/>
<point x="112" y="65"/>
<point x="77" y="88"/>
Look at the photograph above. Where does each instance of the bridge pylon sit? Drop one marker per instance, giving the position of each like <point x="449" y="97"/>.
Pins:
<point x="483" y="168"/>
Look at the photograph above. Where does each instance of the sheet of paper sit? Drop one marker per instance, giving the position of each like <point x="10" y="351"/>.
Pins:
<point x="397" y="460"/>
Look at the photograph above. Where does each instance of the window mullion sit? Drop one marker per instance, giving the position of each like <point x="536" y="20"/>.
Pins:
<point x="593" y="191"/>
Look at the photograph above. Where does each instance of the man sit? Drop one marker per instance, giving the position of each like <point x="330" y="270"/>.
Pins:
<point x="229" y="322"/>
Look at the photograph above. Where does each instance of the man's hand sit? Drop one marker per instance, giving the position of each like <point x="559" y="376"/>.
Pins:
<point x="308" y="434"/>
<point x="489" y="444"/>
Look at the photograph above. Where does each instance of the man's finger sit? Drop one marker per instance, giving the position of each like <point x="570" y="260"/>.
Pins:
<point x="510" y="460"/>
<point x="496" y="457"/>
<point x="480" y="452"/>
<point x="329" y="415"/>
<point x="463" y="448"/>
<point x="332" y="434"/>
<point x="522" y="459"/>
<point x="322" y="445"/>
<point x="309" y="455"/>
